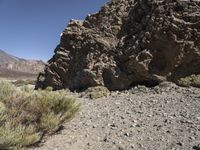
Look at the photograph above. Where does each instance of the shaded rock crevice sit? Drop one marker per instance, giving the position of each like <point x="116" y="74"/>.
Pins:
<point x="127" y="43"/>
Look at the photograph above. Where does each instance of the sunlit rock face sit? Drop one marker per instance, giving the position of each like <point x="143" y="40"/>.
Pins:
<point x="127" y="43"/>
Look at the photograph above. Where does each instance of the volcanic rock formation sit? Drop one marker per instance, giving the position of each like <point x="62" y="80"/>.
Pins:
<point x="127" y="42"/>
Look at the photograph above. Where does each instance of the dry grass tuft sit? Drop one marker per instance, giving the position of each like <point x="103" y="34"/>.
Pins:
<point x="97" y="92"/>
<point x="193" y="80"/>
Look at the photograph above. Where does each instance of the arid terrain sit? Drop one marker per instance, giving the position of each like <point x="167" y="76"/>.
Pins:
<point x="16" y="75"/>
<point x="15" y="68"/>
<point x="126" y="44"/>
<point x="165" y="117"/>
<point x="134" y="68"/>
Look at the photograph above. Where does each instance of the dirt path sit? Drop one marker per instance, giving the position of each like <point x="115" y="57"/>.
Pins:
<point x="165" y="118"/>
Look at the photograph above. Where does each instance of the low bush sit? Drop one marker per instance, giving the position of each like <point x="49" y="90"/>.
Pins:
<point x="6" y="90"/>
<point x="142" y="88"/>
<point x="27" y="115"/>
<point x="193" y="80"/>
<point x="97" y="92"/>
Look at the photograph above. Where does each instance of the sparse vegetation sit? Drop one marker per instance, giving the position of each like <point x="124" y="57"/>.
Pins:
<point x="6" y="90"/>
<point x="97" y="92"/>
<point x="142" y="88"/>
<point x="27" y="115"/>
<point x="24" y="82"/>
<point x="193" y="80"/>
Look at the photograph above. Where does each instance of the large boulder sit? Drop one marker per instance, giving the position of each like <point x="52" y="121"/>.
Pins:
<point x="126" y="43"/>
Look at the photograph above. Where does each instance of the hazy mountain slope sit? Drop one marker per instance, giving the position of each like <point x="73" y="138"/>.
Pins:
<point x="4" y="57"/>
<point x="11" y="66"/>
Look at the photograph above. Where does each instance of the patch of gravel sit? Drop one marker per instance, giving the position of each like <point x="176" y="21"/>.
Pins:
<point x="166" y="117"/>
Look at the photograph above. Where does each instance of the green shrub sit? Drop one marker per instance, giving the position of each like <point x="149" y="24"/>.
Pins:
<point x="49" y="122"/>
<point x="2" y="108"/>
<point x="14" y="136"/>
<point x="142" y="88"/>
<point x="97" y="92"/>
<point x="26" y="115"/>
<point x="193" y="80"/>
<point x="6" y="90"/>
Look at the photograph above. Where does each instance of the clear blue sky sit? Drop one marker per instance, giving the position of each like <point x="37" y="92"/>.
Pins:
<point x="31" y="28"/>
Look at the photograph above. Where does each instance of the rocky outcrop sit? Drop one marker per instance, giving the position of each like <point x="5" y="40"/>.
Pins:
<point x="128" y="42"/>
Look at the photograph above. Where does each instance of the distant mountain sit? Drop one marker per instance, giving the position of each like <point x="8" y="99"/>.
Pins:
<point x="11" y="66"/>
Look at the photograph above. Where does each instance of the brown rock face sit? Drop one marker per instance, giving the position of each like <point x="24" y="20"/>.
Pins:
<point x="128" y="42"/>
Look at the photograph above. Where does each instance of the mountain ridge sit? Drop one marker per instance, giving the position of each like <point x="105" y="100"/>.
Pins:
<point x="12" y="66"/>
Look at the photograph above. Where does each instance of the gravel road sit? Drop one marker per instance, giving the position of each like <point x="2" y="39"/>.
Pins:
<point x="166" y="117"/>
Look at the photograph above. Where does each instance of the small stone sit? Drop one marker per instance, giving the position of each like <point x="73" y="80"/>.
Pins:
<point x="127" y="134"/>
<point x="138" y="125"/>
<point x="198" y="117"/>
<point x="196" y="147"/>
<point x="88" y="144"/>
<point x="192" y="138"/>
<point x="105" y="139"/>
<point x="121" y="148"/>
<point x="179" y="143"/>
<point x="168" y="131"/>
<point x="122" y="117"/>
<point x="113" y="125"/>
<point x="147" y="35"/>
<point x="129" y="99"/>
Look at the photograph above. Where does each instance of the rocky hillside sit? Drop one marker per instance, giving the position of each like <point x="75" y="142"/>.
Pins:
<point x="127" y="42"/>
<point x="11" y="66"/>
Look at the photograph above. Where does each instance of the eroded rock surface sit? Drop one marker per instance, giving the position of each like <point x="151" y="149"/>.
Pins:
<point x="128" y="42"/>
